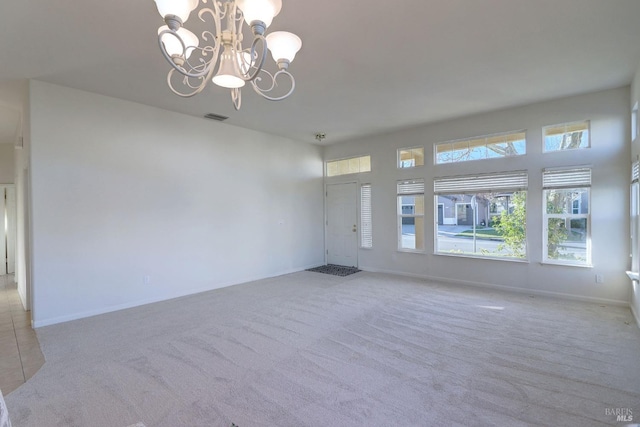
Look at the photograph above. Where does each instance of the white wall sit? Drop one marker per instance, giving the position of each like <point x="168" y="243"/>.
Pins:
<point x="121" y="191"/>
<point x="609" y="158"/>
<point x="6" y="164"/>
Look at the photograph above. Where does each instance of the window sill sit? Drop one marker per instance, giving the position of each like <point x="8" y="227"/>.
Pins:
<point x="410" y="251"/>
<point x="565" y="264"/>
<point x="518" y="260"/>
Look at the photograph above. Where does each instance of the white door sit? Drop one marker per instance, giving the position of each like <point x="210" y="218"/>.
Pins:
<point x="11" y="229"/>
<point x="342" y="229"/>
<point x="7" y="229"/>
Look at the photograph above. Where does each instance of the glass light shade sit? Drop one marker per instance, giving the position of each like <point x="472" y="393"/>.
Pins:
<point x="180" y="8"/>
<point x="259" y="10"/>
<point x="172" y="44"/>
<point x="283" y="45"/>
<point x="227" y="75"/>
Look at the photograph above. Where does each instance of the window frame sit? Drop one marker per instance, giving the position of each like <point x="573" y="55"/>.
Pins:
<point x="414" y="215"/>
<point x="327" y="162"/>
<point x="472" y="185"/>
<point x="477" y="138"/>
<point x="544" y="136"/>
<point x="634" y="215"/>
<point x="577" y="184"/>
<point x="399" y="161"/>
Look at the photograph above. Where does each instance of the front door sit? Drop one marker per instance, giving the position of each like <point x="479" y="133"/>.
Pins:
<point x="342" y="230"/>
<point x="464" y="214"/>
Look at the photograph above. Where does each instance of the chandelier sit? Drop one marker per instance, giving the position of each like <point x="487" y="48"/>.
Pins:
<point x="222" y="58"/>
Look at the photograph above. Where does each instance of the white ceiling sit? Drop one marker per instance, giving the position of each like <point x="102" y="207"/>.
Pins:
<point x="365" y="66"/>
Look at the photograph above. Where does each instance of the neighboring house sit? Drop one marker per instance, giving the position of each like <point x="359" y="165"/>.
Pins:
<point x="459" y="209"/>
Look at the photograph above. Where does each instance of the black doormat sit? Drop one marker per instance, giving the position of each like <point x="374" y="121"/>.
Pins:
<point x="336" y="270"/>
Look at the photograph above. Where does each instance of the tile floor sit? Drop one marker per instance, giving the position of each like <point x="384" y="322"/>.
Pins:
<point x="20" y="355"/>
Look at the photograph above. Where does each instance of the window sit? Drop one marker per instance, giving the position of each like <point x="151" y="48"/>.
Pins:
<point x="347" y="166"/>
<point x="411" y="215"/>
<point x="635" y="217"/>
<point x="484" y="147"/>
<point x="482" y="215"/>
<point x="566" y="216"/>
<point x="635" y="130"/>
<point x="366" y="230"/>
<point x="567" y="136"/>
<point x="576" y="206"/>
<point x="410" y="157"/>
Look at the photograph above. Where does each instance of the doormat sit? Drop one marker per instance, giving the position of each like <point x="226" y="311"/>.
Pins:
<point x="336" y="270"/>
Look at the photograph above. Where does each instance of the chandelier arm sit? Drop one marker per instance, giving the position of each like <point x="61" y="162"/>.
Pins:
<point x="217" y="14"/>
<point x="198" y="89"/>
<point x="236" y="98"/>
<point x="248" y="77"/>
<point x="198" y="72"/>
<point x="202" y="67"/>
<point x="175" y="66"/>
<point x="216" y="5"/>
<point x="262" y="92"/>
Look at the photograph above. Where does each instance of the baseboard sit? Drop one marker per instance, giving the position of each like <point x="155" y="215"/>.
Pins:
<point x="513" y="289"/>
<point x="110" y="309"/>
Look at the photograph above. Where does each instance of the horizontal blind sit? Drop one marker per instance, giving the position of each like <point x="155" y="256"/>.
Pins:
<point x="566" y="178"/>
<point x="412" y="186"/>
<point x="566" y="128"/>
<point x="366" y="229"/>
<point x="478" y="183"/>
<point x="635" y="172"/>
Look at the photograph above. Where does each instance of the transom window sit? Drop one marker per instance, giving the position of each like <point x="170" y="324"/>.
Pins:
<point x="566" y="136"/>
<point x="482" y="215"/>
<point x="410" y="157"/>
<point x="348" y="166"/>
<point x="566" y="216"/>
<point x="483" y="147"/>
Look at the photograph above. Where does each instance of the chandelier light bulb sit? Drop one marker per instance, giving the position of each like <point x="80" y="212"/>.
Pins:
<point x="227" y="76"/>
<point x="180" y="8"/>
<point x="283" y="45"/>
<point x="173" y="45"/>
<point x="259" y="10"/>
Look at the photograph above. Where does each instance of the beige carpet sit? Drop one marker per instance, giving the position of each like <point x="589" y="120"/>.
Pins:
<point x="311" y="349"/>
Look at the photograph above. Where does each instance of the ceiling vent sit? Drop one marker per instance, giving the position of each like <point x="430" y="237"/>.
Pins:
<point x="217" y="117"/>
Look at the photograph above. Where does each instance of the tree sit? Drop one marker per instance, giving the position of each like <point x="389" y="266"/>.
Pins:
<point x="460" y="155"/>
<point x="512" y="225"/>
<point x="558" y="201"/>
<point x="571" y="140"/>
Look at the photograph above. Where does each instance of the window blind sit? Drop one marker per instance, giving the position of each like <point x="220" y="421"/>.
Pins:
<point x="566" y="178"/>
<point x="561" y="129"/>
<point x="478" y="183"/>
<point x="366" y="229"/>
<point x="635" y="172"/>
<point x="412" y="186"/>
